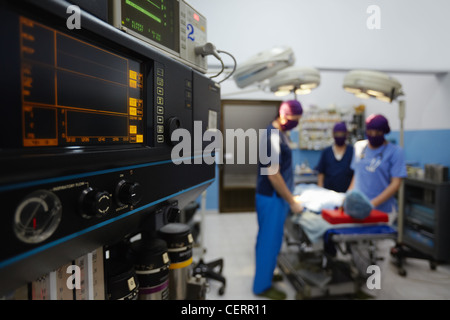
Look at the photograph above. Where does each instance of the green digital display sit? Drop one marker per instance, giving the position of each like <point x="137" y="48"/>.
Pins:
<point x="156" y="20"/>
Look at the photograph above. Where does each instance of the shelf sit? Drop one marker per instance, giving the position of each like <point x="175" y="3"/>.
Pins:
<point x="426" y="217"/>
<point x="419" y="241"/>
<point x="425" y="183"/>
<point x="427" y="204"/>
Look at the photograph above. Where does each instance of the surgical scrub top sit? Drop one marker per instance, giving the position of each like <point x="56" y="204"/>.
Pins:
<point x="263" y="185"/>
<point x="374" y="168"/>
<point x="338" y="173"/>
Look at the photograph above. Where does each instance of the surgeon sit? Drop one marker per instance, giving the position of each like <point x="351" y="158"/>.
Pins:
<point x="379" y="166"/>
<point x="274" y="198"/>
<point x="333" y="169"/>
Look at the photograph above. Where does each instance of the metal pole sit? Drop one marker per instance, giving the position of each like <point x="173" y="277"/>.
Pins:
<point x="401" y="191"/>
<point x="202" y="224"/>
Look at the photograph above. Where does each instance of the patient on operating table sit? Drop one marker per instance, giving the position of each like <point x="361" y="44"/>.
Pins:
<point x="315" y="199"/>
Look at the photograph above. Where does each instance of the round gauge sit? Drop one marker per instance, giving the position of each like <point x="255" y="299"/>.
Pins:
<point x="37" y="216"/>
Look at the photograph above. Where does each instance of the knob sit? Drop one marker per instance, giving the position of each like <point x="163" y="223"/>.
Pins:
<point x="173" y="214"/>
<point x="94" y="203"/>
<point x="128" y="193"/>
<point x="172" y="124"/>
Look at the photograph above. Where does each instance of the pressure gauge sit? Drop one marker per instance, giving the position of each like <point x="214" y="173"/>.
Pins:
<point x="37" y="216"/>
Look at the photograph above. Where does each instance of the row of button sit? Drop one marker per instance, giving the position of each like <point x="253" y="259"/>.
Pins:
<point x="160" y="105"/>
<point x="135" y="108"/>
<point x="188" y="94"/>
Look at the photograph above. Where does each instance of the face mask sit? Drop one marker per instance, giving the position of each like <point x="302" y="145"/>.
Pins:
<point x="289" y="125"/>
<point x="376" y="141"/>
<point x="340" y="141"/>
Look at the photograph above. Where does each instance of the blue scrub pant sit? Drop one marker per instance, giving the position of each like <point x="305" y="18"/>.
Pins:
<point x="272" y="213"/>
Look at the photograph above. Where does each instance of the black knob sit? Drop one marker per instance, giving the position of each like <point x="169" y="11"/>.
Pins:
<point x="172" y="124"/>
<point x="128" y="193"/>
<point x="173" y="214"/>
<point x="94" y="203"/>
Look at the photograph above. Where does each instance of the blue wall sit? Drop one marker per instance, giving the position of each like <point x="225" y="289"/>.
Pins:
<point x="425" y="146"/>
<point x="310" y="157"/>
<point x="212" y="194"/>
<point x="420" y="146"/>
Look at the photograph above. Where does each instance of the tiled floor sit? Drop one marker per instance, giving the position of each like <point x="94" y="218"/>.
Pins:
<point x="231" y="236"/>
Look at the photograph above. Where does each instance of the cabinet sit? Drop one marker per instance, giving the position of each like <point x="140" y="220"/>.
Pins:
<point x="316" y="127"/>
<point x="427" y="218"/>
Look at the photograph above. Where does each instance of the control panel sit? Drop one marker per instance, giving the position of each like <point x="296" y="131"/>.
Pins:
<point x="172" y="26"/>
<point x="73" y="211"/>
<point x="85" y="148"/>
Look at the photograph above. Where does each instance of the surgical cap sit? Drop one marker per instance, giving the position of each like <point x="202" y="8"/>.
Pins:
<point x="357" y="205"/>
<point x="290" y="107"/>
<point x="340" y="126"/>
<point x="377" y="122"/>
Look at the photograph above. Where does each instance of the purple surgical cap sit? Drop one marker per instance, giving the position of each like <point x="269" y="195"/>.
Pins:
<point x="377" y="122"/>
<point x="340" y="126"/>
<point x="290" y="107"/>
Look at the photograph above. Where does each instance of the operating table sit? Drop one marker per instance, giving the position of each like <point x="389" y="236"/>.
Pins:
<point x="327" y="252"/>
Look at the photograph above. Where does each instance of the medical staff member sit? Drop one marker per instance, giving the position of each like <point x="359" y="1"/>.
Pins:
<point x="274" y="198"/>
<point x="334" y="170"/>
<point x="379" y="166"/>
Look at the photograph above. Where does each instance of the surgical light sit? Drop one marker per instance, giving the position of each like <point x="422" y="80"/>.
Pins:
<point x="282" y="93"/>
<point x="303" y="91"/>
<point x="300" y="80"/>
<point x="308" y="86"/>
<point x="368" y="83"/>
<point x="375" y="93"/>
<point x="362" y="95"/>
<point x="263" y="66"/>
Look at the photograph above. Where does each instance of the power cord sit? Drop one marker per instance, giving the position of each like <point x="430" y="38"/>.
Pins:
<point x="220" y="72"/>
<point x="234" y="67"/>
<point x="210" y="49"/>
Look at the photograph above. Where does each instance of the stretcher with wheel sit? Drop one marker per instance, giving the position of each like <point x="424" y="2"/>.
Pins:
<point x="327" y="252"/>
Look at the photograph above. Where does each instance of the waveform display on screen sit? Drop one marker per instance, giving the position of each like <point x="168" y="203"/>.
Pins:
<point x="75" y="93"/>
<point x="157" y="20"/>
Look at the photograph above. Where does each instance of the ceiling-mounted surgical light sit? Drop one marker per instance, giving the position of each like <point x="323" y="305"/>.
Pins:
<point x="263" y="66"/>
<point x="368" y="83"/>
<point x="362" y="95"/>
<point x="300" y="80"/>
<point x="303" y="91"/>
<point x="282" y="93"/>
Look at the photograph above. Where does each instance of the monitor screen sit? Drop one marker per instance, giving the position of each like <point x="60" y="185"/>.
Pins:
<point x="75" y="93"/>
<point x="156" y="20"/>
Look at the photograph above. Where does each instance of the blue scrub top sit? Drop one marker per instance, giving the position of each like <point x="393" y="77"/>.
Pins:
<point x="374" y="168"/>
<point x="263" y="185"/>
<point x="338" y="173"/>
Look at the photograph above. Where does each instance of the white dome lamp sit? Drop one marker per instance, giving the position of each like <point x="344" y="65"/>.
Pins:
<point x="300" y="80"/>
<point x="374" y="84"/>
<point x="367" y="83"/>
<point x="263" y="66"/>
<point x="379" y="85"/>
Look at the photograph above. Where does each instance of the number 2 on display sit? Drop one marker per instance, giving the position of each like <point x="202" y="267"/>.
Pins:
<point x="190" y="28"/>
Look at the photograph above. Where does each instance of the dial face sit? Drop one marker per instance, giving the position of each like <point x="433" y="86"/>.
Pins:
<point x="37" y="216"/>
